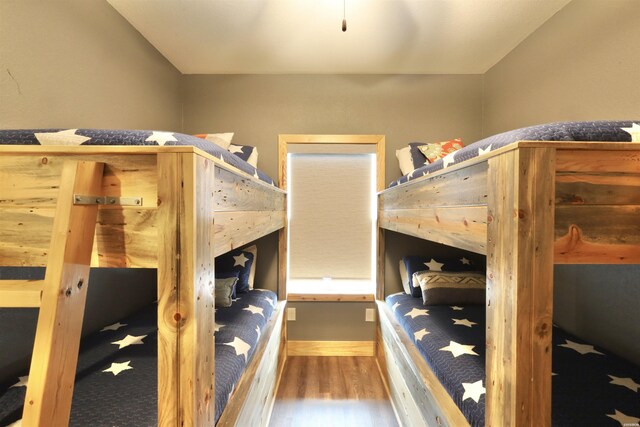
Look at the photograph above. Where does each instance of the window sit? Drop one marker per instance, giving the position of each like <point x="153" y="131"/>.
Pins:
<point x="330" y="245"/>
<point x="332" y="223"/>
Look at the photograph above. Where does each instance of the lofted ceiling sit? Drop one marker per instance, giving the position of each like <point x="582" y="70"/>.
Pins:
<point x="304" y="36"/>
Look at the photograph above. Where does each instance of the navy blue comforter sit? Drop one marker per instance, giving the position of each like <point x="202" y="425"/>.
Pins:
<point x="615" y="131"/>
<point x="117" y="380"/>
<point x="591" y="387"/>
<point x="124" y="137"/>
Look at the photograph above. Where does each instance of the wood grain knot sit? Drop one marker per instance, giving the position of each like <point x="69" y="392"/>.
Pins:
<point x="520" y="213"/>
<point x="44" y="161"/>
<point x="177" y="317"/>
<point x="577" y="200"/>
<point x="543" y="329"/>
<point x="489" y="219"/>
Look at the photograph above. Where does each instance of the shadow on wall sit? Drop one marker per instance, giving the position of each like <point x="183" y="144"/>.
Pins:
<point x="113" y="294"/>
<point x="600" y="303"/>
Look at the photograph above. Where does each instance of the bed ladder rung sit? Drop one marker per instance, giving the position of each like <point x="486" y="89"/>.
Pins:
<point x="20" y="293"/>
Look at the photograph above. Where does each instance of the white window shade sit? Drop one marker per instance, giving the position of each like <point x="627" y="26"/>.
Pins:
<point x="330" y="218"/>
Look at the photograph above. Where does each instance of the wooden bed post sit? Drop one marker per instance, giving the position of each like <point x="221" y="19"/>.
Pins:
<point x="520" y="287"/>
<point x="381" y="260"/>
<point x="185" y="290"/>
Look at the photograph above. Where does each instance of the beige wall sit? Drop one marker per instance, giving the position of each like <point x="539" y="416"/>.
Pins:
<point x="582" y="64"/>
<point x="331" y="321"/>
<point x="80" y="64"/>
<point x="403" y="107"/>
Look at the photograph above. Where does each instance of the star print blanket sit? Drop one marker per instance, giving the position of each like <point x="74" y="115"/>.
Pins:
<point x="124" y="137"/>
<point x="590" y="386"/>
<point x="116" y="379"/>
<point x="614" y="131"/>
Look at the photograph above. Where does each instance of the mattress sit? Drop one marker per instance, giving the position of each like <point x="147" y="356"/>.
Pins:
<point x="614" y="131"/>
<point x="590" y="385"/>
<point x="125" y="137"/>
<point x="116" y="378"/>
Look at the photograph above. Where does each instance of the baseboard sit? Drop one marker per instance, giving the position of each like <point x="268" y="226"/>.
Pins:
<point x="330" y="348"/>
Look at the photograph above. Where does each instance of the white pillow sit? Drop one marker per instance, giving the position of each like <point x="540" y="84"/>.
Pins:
<point x="220" y="139"/>
<point x="404" y="276"/>
<point x="405" y="161"/>
<point x="253" y="249"/>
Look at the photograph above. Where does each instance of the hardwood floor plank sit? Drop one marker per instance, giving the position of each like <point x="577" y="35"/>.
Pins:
<point x="332" y="391"/>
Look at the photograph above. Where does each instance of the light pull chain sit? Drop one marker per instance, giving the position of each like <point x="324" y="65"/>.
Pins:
<point x="344" y="16"/>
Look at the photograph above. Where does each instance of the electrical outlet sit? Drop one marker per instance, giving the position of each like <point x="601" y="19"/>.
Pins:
<point x="369" y="315"/>
<point x="291" y="314"/>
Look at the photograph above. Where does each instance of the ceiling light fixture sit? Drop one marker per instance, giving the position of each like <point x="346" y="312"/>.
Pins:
<point x="344" y="16"/>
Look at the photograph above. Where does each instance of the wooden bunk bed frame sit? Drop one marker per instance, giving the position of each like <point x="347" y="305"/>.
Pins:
<point x="174" y="208"/>
<point x="526" y="206"/>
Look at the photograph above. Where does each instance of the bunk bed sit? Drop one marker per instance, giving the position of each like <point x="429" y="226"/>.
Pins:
<point x="161" y="200"/>
<point x="527" y="199"/>
<point x="117" y="384"/>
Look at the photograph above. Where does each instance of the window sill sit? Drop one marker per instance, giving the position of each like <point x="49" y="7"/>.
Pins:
<point x="332" y="297"/>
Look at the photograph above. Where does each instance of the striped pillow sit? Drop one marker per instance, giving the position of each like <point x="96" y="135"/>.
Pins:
<point x="445" y="288"/>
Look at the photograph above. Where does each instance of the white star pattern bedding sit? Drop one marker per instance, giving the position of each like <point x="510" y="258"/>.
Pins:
<point x="614" y="131"/>
<point x="76" y="137"/>
<point x="116" y="379"/>
<point x="590" y="386"/>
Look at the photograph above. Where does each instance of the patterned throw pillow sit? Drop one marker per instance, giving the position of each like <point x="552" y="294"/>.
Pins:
<point x="438" y="150"/>
<point x="246" y="152"/>
<point x="220" y="139"/>
<point x="414" y="264"/>
<point x="446" y="288"/>
<point x="225" y="289"/>
<point x="239" y="261"/>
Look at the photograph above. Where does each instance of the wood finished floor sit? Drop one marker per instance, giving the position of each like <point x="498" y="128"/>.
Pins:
<point x="332" y="391"/>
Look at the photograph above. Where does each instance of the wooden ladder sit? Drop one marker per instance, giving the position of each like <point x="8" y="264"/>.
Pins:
<point x="61" y="297"/>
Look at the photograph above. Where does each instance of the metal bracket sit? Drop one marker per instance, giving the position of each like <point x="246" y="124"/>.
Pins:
<point x="106" y="200"/>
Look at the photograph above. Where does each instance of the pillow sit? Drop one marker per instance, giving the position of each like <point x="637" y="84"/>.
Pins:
<point x="225" y="288"/>
<point x="446" y="288"/>
<point x="221" y="139"/>
<point x="253" y="249"/>
<point x="404" y="160"/>
<point x="239" y="261"/>
<point x="404" y="277"/>
<point x="417" y="157"/>
<point x="229" y="275"/>
<point x="411" y="158"/>
<point x="438" y="150"/>
<point x="246" y="152"/>
<point x="414" y="264"/>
